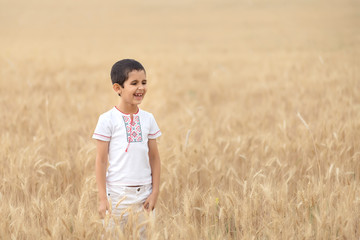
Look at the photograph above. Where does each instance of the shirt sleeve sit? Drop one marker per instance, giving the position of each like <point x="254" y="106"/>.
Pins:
<point x="103" y="129"/>
<point x="154" y="129"/>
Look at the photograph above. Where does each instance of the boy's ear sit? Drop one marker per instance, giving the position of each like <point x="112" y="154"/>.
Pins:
<point x="117" y="88"/>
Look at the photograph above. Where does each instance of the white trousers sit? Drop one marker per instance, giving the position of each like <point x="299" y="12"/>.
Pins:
<point x="127" y="211"/>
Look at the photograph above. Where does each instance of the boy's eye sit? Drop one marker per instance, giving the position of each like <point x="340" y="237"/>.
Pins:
<point x="133" y="83"/>
<point x="143" y="82"/>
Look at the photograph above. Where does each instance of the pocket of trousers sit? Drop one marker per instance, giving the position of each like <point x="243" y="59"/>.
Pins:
<point x="115" y="197"/>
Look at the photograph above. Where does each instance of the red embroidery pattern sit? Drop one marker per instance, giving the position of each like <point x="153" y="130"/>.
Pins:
<point x="133" y="129"/>
<point x="152" y="134"/>
<point x="102" y="135"/>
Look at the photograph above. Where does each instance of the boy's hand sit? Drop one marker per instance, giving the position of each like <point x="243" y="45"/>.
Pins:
<point x="103" y="206"/>
<point x="150" y="202"/>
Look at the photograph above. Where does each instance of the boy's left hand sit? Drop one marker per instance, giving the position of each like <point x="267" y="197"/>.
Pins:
<point x="150" y="202"/>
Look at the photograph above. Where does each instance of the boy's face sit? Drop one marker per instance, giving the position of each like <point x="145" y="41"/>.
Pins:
<point x="134" y="89"/>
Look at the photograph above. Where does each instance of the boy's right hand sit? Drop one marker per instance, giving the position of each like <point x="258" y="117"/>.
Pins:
<point x="103" y="206"/>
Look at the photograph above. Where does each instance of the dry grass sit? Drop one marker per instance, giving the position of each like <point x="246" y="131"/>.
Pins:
<point x="258" y="102"/>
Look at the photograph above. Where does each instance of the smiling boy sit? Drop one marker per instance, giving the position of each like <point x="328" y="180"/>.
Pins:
<point x="126" y="143"/>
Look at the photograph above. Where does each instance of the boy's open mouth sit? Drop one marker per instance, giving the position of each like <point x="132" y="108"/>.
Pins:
<point x="138" y="94"/>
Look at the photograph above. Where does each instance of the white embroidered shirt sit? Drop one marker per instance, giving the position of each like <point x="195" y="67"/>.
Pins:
<point x="128" y="146"/>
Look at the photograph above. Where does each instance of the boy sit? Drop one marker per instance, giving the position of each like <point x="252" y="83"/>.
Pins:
<point x="127" y="158"/>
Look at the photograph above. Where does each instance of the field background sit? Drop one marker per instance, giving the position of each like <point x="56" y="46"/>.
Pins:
<point x="258" y="102"/>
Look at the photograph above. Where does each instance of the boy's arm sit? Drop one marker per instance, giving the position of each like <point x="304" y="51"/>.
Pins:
<point x="102" y="149"/>
<point x="154" y="158"/>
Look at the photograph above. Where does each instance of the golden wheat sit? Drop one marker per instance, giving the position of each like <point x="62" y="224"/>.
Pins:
<point x="258" y="103"/>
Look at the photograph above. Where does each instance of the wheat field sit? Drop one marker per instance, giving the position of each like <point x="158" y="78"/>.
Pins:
<point x="258" y="103"/>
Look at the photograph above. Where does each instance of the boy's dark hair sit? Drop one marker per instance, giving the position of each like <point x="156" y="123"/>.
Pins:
<point x="121" y="69"/>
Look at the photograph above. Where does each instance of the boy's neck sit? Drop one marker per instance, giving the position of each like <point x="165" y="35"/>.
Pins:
<point x="128" y="109"/>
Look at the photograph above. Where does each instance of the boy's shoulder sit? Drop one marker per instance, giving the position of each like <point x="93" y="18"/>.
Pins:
<point x="143" y="112"/>
<point x="108" y="114"/>
<point x="146" y="114"/>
